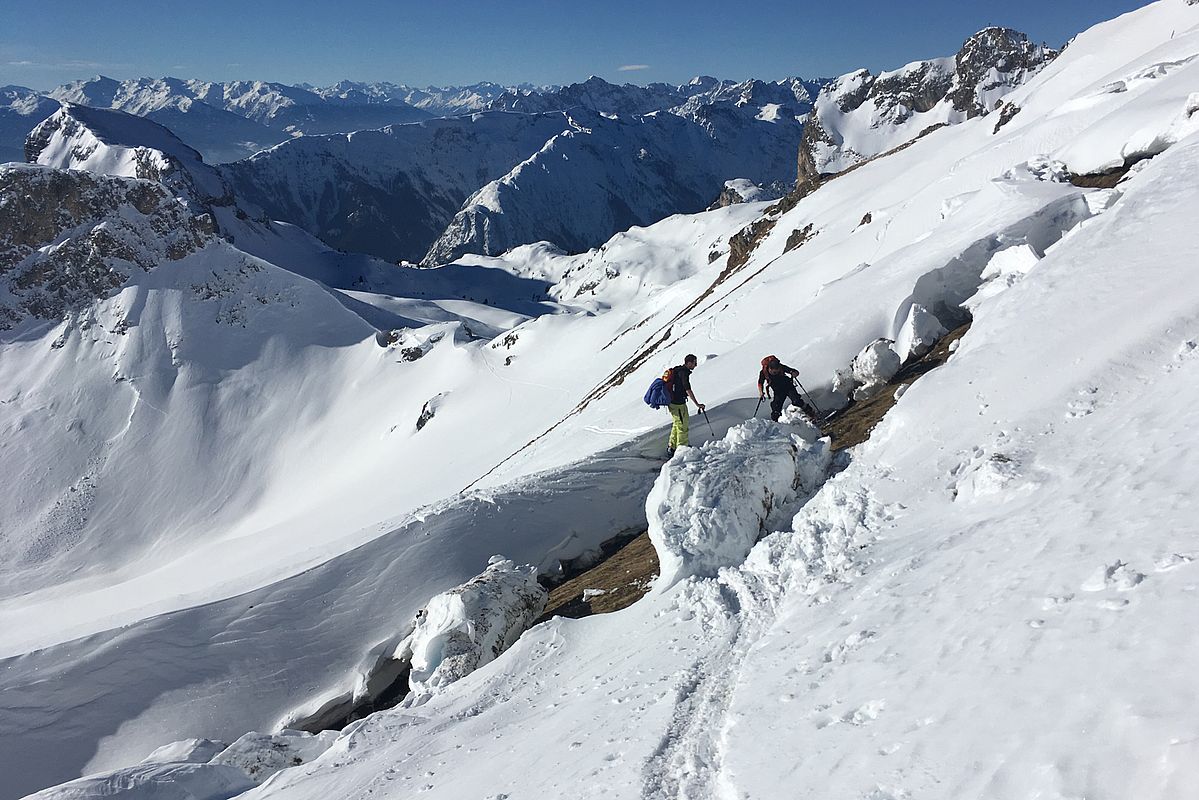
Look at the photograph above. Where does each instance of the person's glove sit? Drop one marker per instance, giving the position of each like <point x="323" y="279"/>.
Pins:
<point x="701" y="406"/>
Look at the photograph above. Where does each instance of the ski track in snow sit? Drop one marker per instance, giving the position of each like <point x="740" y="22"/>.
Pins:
<point x="737" y="609"/>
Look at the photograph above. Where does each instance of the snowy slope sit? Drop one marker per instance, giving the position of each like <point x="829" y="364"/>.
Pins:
<point x="1036" y="482"/>
<point x="970" y="609"/>
<point x="124" y="145"/>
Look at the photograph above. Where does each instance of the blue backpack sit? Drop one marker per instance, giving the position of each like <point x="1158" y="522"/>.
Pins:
<point x="659" y="393"/>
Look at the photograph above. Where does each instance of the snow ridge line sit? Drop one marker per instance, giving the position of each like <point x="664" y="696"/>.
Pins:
<point x="740" y="606"/>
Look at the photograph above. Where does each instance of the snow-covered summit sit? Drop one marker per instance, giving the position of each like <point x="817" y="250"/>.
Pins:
<point x="114" y="143"/>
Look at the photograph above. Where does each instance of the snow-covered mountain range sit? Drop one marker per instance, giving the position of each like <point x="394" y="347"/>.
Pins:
<point x="790" y="96"/>
<point x="247" y="498"/>
<point x="484" y="183"/>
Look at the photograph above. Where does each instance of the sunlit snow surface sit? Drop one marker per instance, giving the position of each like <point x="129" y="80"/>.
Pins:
<point x="994" y="599"/>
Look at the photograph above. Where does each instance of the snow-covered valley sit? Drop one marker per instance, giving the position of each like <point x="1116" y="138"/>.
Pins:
<point x="250" y="481"/>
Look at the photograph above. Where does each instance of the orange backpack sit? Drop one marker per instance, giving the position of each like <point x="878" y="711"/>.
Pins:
<point x="766" y="362"/>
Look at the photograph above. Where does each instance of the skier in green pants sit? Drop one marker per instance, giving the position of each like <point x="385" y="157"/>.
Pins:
<point x="680" y="390"/>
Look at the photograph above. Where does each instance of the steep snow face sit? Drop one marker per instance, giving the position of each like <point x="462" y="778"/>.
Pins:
<point x="860" y="115"/>
<point x="605" y="175"/>
<point x="123" y="145"/>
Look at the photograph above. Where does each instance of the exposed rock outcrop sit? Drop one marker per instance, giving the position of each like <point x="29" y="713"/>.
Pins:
<point x="859" y="115"/>
<point x="67" y="238"/>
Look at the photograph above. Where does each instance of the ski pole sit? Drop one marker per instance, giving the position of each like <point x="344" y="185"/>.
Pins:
<point x="759" y="405"/>
<point x="705" y="413"/>
<point x="805" y="394"/>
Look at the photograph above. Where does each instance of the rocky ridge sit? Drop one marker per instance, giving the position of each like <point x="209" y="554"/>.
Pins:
<point x="860" y="115"/>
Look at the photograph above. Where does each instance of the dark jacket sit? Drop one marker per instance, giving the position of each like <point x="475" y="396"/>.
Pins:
<point x="680" y="384"/>
<point x="780" y="383"/>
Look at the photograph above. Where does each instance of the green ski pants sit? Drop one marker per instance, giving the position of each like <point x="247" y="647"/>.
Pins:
<point x="682" y="424"/>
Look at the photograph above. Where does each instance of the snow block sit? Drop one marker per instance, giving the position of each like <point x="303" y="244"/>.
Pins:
<point x="192" y="751"/>
<point x="876" y="364"/>
<point x="920" y="332"/>
<point x="154" y="782"/>
<point x="461" y="630"/>
<point x="711" y="504"/>
<point x="261" y="755"/>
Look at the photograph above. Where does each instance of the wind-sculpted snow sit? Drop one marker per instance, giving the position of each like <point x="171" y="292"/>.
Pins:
<point x="459" y="631"/>
<point x="711" y="503"/>
<point x="174" y="781"/>
<point x="261" y="755"/>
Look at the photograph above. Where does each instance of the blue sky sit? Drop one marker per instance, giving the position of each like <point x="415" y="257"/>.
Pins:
<point x="44" y="43"/>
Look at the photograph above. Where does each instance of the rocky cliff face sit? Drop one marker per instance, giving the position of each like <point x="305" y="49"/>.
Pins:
<point x="860" y="115"/>
<point x="69" y="237"/>
<point x="990" y="64"/>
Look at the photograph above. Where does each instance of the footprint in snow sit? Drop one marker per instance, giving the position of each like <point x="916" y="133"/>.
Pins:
<point x="1172" y="561"/>
<point x="1084" y="406"/>
<point x="867" y="712"/>
<point x="1055" y="601"/>
<point x="1118" y="576"/>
